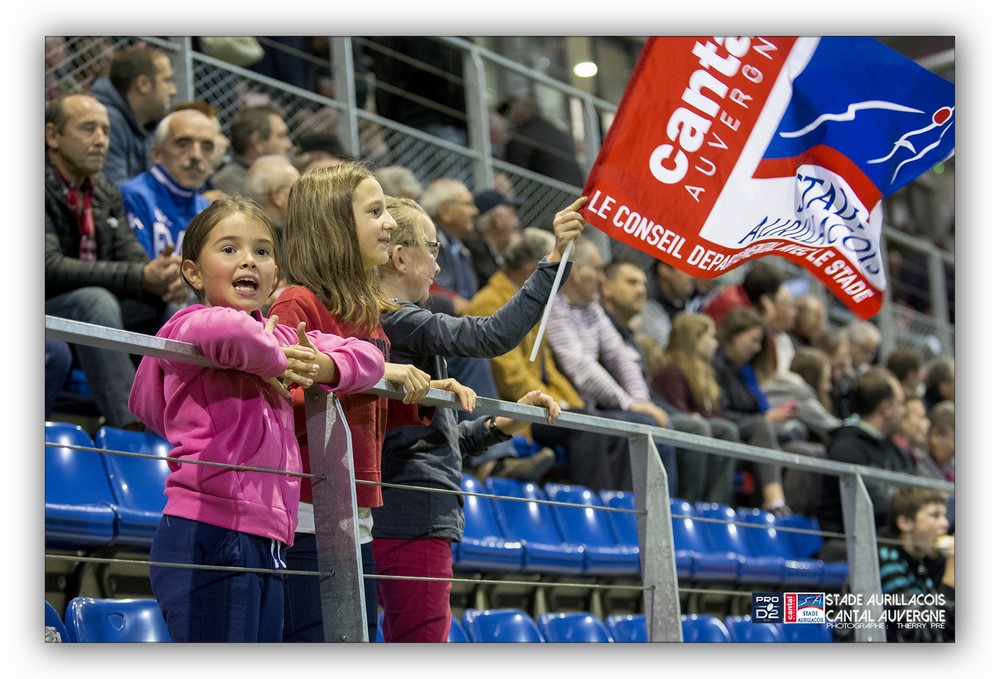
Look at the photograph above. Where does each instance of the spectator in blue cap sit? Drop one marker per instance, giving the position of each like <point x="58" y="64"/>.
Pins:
<point x="496" y="226"/>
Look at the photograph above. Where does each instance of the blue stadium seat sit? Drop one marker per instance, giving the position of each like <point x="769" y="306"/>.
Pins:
<point x="704" y="629"/>
<point x="484" y="547"/>
<point x="695" y="557"/>
<point x="767" y="540"/>
<point x="115" y="620"/>
<point x="534" y="524"/>
<point x="604" y="554"/>
<point x="805" y="545"/>
<point x="501" y="625"/>
<point x="725" y="536"/>
<point x="55" y="629"/>
<point x="742" y="629"/>
<point x="573" y="627"/>
<point x="805" y="633"/>
<point x="805" y="541"/>
<point x="624" y="525"/>
<point x="628" y="629"/>
<point x="457" y="633"/>
<point x="137" y="482"/>
<point x="79" y="505"/>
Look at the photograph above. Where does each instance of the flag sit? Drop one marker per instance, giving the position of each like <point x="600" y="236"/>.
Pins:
<point x="725" y="150"/>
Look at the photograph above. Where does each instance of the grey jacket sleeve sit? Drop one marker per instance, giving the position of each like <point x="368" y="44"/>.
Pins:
<point x="475" y="436"/>
<point x="415" y="330"/>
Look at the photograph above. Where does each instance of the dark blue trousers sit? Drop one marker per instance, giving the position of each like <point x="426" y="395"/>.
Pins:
<point x="202" y="605"/>
<point x="303" y="608"/>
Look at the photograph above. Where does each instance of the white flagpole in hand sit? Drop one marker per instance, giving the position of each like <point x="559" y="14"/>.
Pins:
<point x="552" y="299"/>
<point x="566" y="225"/>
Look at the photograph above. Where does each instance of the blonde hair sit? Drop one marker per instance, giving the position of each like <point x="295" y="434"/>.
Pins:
<point x="321" y="245"/>
<point x="686" y="330"/>
<point x="409" y="218"/>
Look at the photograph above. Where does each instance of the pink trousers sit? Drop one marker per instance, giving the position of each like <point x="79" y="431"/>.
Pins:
<point x="415" y="610"/>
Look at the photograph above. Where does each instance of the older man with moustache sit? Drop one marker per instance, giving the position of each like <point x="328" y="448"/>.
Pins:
<point x="95" y="269"/>
<point x="163" y="200"/>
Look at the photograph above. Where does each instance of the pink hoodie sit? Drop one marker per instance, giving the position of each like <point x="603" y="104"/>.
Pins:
<point x="229" y="415"/>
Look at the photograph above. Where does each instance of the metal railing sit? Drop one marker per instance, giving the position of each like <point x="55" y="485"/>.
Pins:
<point x="335" y="504"/>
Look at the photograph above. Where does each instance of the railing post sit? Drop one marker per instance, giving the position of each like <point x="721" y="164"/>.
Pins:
<point x="342" y="72"/>
<point x="887" y="319"/>
<point x="477" y="120"/>
<point x="183" y="65"/>
<point x="939" y="300"/>
<point x="862" y="551"/>
<point x="338" y="545"/>
<point x="591" y="132"/>
<point x="656" y="540"/>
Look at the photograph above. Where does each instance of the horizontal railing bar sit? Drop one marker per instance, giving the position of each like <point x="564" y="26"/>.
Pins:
<point x="138" y="343"/>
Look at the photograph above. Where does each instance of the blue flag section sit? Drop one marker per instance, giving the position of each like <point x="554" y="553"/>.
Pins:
<point x="873" y="114"/>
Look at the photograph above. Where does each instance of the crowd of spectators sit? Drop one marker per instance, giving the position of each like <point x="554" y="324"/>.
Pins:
<point x="126" y="169"/>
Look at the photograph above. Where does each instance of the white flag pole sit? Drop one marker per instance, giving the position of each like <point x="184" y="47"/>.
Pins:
<point x="552" y="299"/>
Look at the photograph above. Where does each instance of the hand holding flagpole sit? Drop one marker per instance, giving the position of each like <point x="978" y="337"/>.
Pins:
<point x="567" y="226"/>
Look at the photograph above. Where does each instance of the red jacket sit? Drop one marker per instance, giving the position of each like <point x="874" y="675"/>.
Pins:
<point x="365" y="414"/>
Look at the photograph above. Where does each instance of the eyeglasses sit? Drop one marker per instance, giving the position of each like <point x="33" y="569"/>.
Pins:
<point x="432" y="245"/>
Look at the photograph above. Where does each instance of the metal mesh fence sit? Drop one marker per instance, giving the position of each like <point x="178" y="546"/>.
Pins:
<point x="230" y="92"/>
<point x="72" y="64"/>
<point x="429" y="158"/>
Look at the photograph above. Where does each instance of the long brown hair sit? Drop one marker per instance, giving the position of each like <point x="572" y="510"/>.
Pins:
<point x="810" y="363"/>
<point x="739" y="320"/>
<point x="321" y="245"/>
<point x="686" y="330"/>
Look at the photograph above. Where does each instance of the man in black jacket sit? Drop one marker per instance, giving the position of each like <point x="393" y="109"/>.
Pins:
<point x="879" y="407"/>
<point x="95" y="269"/>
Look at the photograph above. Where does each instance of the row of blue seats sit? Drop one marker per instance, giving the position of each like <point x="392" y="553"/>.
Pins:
<point x="95" y="499"/>
<point x="511" y="625"/>
<point x="90" y="620"/>
<point x="711" y="541"/>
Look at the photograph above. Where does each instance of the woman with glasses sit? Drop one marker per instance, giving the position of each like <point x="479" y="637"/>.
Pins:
<point x="414" y="529"/>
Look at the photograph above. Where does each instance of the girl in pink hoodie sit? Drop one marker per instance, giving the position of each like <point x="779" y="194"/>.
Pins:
<point x="235" y="412"/>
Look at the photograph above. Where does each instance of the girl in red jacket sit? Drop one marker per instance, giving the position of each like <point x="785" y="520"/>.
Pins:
<point x="336" y="236"/>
